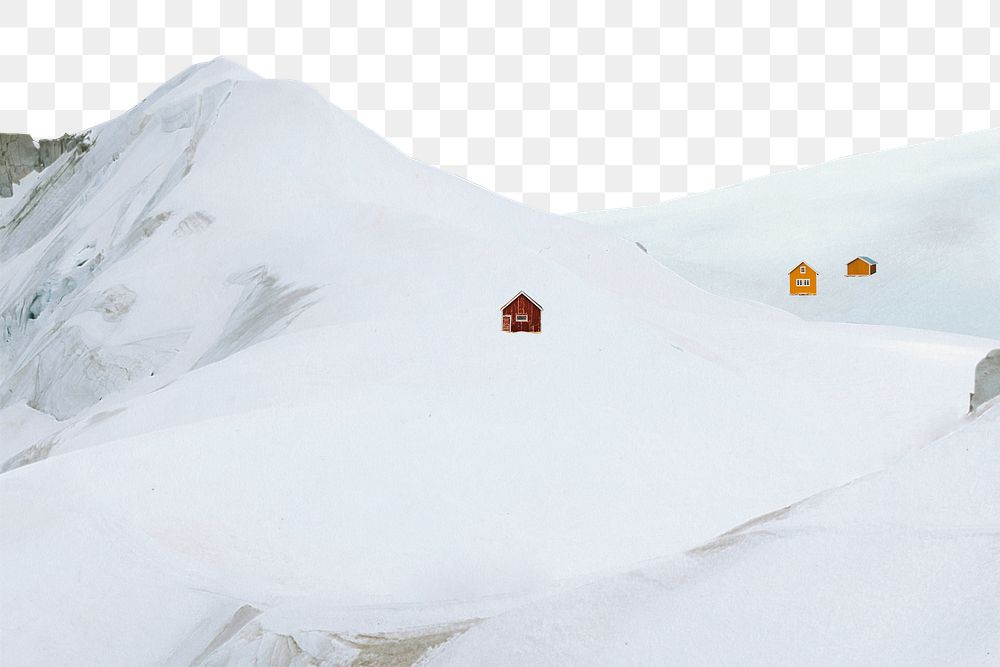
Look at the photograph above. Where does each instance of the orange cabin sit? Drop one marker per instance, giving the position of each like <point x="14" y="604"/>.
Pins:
<point x="802" y="280"/>
<point x="861" y="266"/>
<point x="522" y="313"/>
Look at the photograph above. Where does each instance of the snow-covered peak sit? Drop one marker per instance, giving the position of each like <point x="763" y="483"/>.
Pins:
<point x="196" y="79"/>
<point x="199" y="223"/>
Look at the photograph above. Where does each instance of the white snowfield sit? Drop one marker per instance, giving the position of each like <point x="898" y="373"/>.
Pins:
<point x="898" y="568"/>
<point x="928" y="214"/>
<point x="256" y="408"/>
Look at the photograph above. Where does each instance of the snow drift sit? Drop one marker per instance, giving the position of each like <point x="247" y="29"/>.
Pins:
<point x="901" y="567"/>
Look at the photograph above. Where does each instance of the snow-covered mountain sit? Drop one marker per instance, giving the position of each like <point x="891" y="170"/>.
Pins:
<point x="255" y="400"/>
<point x="929" y="214"/>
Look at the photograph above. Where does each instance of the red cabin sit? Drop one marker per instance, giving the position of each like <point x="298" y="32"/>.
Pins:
<point x="522" y="314"/>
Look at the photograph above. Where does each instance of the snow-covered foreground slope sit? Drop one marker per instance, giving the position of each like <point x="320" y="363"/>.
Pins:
<point x="255" y="399"/>
<point x="928" y="214"/>
<point x="898" y="568"/>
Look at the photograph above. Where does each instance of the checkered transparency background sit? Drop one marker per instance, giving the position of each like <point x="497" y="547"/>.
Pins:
<point x="564" y="105"/>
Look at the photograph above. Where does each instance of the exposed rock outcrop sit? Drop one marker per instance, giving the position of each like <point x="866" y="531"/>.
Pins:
<point x="987" y="380"/>
<point x="19" y="156"/>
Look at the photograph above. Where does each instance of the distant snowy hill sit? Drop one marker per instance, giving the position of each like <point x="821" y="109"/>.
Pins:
<point x="255" y="399"/>
<point x="928" y="214"/>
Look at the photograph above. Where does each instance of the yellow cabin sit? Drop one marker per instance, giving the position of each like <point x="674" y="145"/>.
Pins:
<point x="802" y="280"/>
<point x="861" y="266"/>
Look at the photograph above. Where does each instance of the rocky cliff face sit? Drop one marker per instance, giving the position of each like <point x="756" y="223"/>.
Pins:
<point x="987" y="380"/>
<point x="19" y="156"/>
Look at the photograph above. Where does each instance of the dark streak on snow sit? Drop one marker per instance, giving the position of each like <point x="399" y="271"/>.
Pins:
<point x="233" y="645"/>
<point x="265" y="306"/>
<point x="33" y="454"/>
<point x="195" y="222"/>
<point x="400" y="649"/>
<point x="240" y="618"/>
<point x="741" y="533"/>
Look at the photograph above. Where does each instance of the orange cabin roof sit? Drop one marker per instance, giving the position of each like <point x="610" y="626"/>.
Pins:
<point x="796" y="268"/>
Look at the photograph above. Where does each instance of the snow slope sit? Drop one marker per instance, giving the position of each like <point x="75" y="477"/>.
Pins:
<point x="928" y="214"/>
<point x="254" y="398"/>
<point x="901" y="567"/>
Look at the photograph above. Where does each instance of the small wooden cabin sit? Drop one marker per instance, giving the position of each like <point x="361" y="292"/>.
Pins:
<point x="802" y="280"/>
<point x="522" y="313"/>
<point x="861" y="266"/>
